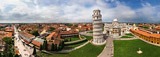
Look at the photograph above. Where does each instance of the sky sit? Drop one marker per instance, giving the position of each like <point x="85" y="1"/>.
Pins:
<point x="57" y="11"/>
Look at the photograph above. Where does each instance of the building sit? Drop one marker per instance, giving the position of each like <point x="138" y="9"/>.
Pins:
<point x="37" y="42"/>
<point x="97" y="28"/>
<point x="116" y="29"/>
<point x="68" y="34"/>
<point x="26" y="36"/>
<point x="53" y="38"/>
<point x="146" y="35"/>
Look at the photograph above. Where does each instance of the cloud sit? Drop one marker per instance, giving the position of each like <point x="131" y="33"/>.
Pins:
<point x="73" y="11"/>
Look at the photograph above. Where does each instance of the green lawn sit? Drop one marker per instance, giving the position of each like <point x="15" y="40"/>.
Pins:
<point x="76" y="38"/>
<point x="90" y="32"/>
<point x="128" y="35"/>
<point x="87" y="51"/>
<point x="128" y="48"/>
<point x="72" y="38"/>
<point x="88" y="37"/>
<point x="75" y="45"/>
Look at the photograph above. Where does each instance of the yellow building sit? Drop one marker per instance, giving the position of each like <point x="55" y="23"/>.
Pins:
<point x="150" y="37"/>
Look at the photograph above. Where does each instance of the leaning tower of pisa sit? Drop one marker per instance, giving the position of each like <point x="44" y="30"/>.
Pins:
<point x="97" y="27"/>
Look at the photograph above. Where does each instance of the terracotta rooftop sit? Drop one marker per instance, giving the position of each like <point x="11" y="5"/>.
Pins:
<point x="53" y="34"/>
<point x="26" y="41"/>
<point x="36" y="43"/>
<point x="17" y="51"/>
<point x="9" y="34"/>
<point x="142" y="32"/>
<point x="25" y="34"/>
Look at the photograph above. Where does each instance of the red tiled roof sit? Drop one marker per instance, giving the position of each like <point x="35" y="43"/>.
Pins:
<point x="8" y="29"/>
<point x="53" y="34"/>
<point x="26" y="41"/>
<point x="36" y="43"/>
<point x="9" y="34"/>
<point x="56" y="41"/>
<point x="146" y="33"/>
<point x="17" y="51"/>
<point x="27" y="35"/>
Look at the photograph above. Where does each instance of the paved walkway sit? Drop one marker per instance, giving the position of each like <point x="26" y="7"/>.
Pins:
<point x="125" y="38"/>
<point x="108" y="51"/>
<point x="22" y="49"/>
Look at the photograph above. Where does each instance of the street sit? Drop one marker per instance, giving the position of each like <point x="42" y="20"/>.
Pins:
<point x="22" y="49"/>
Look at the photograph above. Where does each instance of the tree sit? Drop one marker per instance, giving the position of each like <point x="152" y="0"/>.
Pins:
<point x="45" y="45"/>
<point x="35" y="33"/>
<point x="1" y="55"/>
<point x="51" y="29"/>
<point x="68" y="24"/>
<point x="10" y="54"/>
<point x="56" y="47"/>
<point x="34" y="50"/>
<point x="52" y="47"/>
<point x="41" y="47"/>
<point x="16" y="55"/>
<point x="7" y="40"/>
<point x="61" y="45"/>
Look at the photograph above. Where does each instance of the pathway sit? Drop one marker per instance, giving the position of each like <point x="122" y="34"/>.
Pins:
<point x="125" y="38"/>
<point x="22" y="49"/>
<point x="108" y="50"/>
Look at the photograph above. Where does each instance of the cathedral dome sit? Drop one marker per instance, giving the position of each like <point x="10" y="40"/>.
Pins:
<point x="115" y="20"/>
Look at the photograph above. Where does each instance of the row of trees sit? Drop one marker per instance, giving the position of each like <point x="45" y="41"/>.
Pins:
<point x="9" y="49"/>
<point x="54" y="47"/>
<point x="35" y="33"/>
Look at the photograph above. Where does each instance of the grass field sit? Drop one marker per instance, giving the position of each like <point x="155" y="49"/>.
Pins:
<point x="128" y="35"/>
<point x="72" y="38"/>
<point x="128" y="48"/>
<point x="87" y="51"/>
<point x="89" y="37"/>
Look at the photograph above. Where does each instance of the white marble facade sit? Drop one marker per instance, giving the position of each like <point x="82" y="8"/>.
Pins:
<point x="97" y="27"/>
<point x="116" y="29"/>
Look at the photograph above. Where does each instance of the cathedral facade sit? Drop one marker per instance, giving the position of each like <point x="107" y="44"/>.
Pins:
<point x="116" y="29"/>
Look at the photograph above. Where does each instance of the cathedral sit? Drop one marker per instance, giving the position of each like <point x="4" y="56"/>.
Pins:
<point x="116" y="29"/>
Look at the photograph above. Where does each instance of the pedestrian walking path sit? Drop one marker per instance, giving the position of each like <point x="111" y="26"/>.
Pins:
<point x="125" y="38"/>
<point x="22" y="49"/>
<point x="108" y="50"/>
